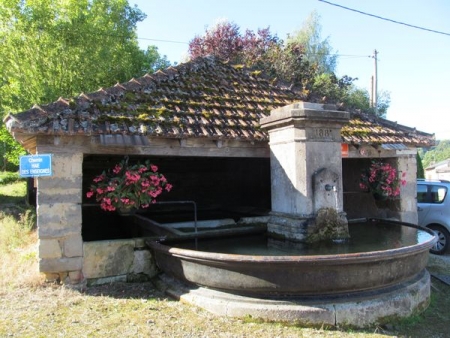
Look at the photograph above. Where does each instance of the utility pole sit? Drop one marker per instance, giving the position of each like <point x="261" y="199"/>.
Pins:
<point x="374" y="99"/>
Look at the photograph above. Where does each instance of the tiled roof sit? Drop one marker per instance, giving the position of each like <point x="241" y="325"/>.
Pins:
<point x="369" y="129"/>
<point x="201" y="98"/>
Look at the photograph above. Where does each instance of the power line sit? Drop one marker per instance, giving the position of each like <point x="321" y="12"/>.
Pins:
<point x="386" y="19"/>
<point x="159" y="40"/>
<point x="332" y="54"/>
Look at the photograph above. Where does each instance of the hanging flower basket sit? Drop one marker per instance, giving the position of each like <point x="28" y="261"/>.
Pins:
<point x="126" y="211"/>
<point x="126" y="187"/>
<point x="382" y="180"/>
<point x="380" y="197"/>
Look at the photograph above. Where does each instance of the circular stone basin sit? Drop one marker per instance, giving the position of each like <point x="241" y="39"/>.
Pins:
<point x="391" y="253"/>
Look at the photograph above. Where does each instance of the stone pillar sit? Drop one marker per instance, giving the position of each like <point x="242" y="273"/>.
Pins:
<point x="407" y="164"/>
<point x="59" y="218"/>
<point x="306" y="166"/>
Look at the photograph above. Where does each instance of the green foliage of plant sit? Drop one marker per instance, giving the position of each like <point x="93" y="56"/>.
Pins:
<point x="420" y="170"/>
<point x="328" y="85"/>
<point x="128" y="186"/>
<point x="382" y="179"/>
<point x="10" y="150"/>
<point x="7" y="177"/>
<point x="359" y="99"/>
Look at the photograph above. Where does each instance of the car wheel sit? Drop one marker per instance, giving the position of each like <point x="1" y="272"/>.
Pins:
<point x="443" y="239"/>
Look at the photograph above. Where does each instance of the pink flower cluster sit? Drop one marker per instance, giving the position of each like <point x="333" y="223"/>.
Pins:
<point x="381" y="178"/>
<point x="128" y="186"/>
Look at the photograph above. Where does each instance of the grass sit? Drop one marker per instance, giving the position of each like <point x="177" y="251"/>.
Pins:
<point x="12" y="190"/>
<point x="17" y="218"/>
<point x="17" y="237"/>
<point x="29" y="307"/>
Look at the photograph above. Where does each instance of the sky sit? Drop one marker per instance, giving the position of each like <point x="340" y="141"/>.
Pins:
<point x="413" y="64"/>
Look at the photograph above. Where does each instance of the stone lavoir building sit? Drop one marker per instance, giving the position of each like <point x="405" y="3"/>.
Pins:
<point x="199" y="122"/>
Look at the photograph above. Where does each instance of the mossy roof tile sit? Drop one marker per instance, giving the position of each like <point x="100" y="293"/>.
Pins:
<point x="201" y="98"/>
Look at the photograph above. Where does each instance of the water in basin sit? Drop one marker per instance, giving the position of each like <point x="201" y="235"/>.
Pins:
<point x="365" y="237"/>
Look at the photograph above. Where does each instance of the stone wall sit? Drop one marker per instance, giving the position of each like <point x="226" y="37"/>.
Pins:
<point x="125" y="260"/>
<point x="63" y="256"/>
<point x="406" y="163"/>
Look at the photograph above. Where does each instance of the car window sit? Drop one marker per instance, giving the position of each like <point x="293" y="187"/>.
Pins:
<point x="421" y="193"/>
<point x="430" y="193"/>
<point x="438" y="193"/>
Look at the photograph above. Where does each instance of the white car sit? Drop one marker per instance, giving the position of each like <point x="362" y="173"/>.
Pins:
<point x="433" y="208"/>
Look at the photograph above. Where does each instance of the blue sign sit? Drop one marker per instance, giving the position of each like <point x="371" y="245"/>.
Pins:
<point x="35" y="165"/>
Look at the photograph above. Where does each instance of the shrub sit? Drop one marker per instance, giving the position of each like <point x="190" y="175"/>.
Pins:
<point x="7" y="177"/>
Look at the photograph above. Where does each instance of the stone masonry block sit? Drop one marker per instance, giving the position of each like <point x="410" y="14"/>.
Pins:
<point x="73" y="246"/>
<point x="67" y="164"/>
<point x="58" y="220"/>
<point x="60" y="190"/>
<point x="47" y="183"/>
<point x="77" y="164"/>
<point x="60" y="264"/>
<point x="54" y="196"/>
<point x="143" y="263"/>
<point x="76" y="276"/>
<point x="108" y="258"/>
<point x="49" y="248"/>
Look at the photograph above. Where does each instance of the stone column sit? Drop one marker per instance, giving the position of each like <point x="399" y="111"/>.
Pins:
<point x="59" y="217"/>
<point x="407" y="164"/>
<point x="306" y="166"/>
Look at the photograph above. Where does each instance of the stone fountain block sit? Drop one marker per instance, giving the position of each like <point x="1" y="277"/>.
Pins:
<point x="286" y="226"/>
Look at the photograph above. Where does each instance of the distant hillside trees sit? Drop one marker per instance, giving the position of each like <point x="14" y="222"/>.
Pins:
<point x="440" y="152"/>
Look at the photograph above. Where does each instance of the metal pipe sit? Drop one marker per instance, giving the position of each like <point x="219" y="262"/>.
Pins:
<point x="184" y="202"/>
<point x="171" y="202"/>
<point x="166" y="202"/>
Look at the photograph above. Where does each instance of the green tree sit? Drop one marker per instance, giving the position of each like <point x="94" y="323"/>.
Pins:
<point x="331" y="88"/>
<point x="359" y="99"/>
<point x="420" y="172"/>
<point x="317" y="51"/>
<point x="10" y="150"/>
<point x="61" y="48"/>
